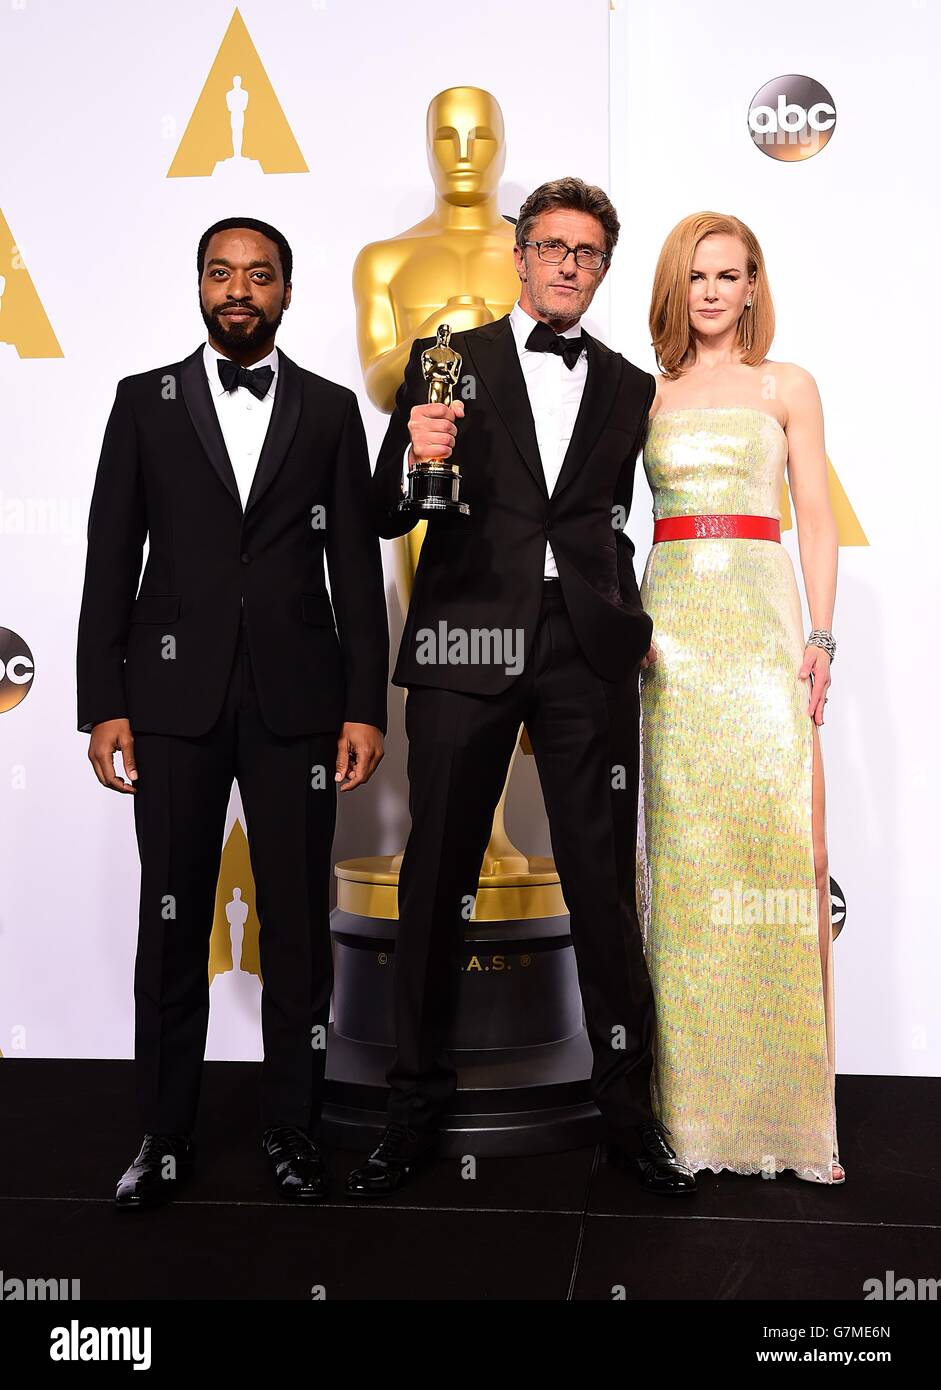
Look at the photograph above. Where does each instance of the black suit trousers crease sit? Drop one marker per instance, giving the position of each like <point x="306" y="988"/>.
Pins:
<point x="584" y="734"/>
<point x="289" y="798"/>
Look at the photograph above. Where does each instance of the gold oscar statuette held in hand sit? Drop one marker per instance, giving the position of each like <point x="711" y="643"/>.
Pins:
<point x="434" y="484"/>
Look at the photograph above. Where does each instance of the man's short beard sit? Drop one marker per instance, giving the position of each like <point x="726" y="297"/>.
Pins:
<point x="575" y="312"/>
<point x="239" y="339"/>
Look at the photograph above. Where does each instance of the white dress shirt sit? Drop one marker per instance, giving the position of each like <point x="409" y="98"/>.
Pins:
<point x="555" y="394"/>
<point x="243" y="418"/>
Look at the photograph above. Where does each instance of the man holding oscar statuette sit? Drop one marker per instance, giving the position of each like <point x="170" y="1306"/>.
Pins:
<point x="524" y="608"/>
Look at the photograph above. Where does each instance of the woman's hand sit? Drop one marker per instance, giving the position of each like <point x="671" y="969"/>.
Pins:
<point x="817" y="666"/>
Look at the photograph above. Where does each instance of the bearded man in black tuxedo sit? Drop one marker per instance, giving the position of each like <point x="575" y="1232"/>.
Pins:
<point x="244" y="472"/>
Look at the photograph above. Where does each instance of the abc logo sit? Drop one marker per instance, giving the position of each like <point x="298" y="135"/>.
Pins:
<point x="16" y="669"/>
<point x="791" y="118"/>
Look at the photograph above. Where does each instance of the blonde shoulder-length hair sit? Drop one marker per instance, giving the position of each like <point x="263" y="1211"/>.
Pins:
<point x="669" y="312"/>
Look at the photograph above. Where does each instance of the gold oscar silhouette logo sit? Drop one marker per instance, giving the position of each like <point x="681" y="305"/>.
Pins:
<point x="792" y="117"/>
<point x="16" y="670"/>
<point x="237" y="125"/>
<point x="848" y="528"/>
<point x="233" y="943"/>
<point x="23" y="322"/>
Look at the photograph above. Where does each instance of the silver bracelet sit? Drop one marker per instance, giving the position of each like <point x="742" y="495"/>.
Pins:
<point x="822" y="637"/>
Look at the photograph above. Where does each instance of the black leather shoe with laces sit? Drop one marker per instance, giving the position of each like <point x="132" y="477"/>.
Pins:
<point x="398" y="1155"/>
<point x="655" y="1163"/>
<point x="155" y="1176"/>
<point x="296" y="1162"/>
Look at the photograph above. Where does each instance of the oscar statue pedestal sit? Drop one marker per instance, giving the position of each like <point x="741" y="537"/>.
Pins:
<point x="518" y="1041"/>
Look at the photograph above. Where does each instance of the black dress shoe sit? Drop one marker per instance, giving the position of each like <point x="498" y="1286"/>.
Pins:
<point x="656" y="1164"/>
<point x="155" y="1176"/>
<point x="296" y="1163"/>
<point x="398" y="1155"/>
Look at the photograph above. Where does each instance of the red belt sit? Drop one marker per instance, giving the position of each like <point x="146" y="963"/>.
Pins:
<point x="696" y="528"/>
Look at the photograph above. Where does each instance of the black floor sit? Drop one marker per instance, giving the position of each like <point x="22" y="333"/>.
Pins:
<point x="550" y="1227"/>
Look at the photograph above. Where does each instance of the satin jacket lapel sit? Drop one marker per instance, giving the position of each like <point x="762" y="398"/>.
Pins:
<point x="493" y="353"/>
<point x="285" y="413"/>
<point x="202" y="412"/>
<point x="601" y="385"/>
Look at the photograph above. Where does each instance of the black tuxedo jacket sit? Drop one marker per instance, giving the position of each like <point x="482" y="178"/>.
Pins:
<point x="165" y="475"/>
<point x="485" y="570"/>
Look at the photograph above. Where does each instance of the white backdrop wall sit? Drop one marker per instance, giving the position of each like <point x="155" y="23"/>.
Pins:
<point x="850" y="240"/>
<point x="94" y="106"/>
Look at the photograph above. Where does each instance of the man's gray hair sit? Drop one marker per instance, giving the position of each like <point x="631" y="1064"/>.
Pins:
<point x="571" y="193"/>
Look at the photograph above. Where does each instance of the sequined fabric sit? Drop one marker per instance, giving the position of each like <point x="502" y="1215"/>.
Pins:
<point x="726" y="885"/>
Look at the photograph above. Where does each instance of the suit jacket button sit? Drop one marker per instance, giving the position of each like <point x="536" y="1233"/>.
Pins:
<point x="246" y="559"/>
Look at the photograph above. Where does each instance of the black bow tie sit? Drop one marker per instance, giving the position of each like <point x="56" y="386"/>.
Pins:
<point x="542" y="339"/>
<point x="255" y="379"/>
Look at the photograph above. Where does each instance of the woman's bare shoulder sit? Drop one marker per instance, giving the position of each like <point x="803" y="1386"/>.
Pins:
<point x="664" y="383"/>
<point x="792" y="386"/>
<point x="787" y="375"/>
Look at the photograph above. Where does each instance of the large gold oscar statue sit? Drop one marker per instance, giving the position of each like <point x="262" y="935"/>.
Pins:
<point x="455" y="267"/>
<point x="518" y="1039"/>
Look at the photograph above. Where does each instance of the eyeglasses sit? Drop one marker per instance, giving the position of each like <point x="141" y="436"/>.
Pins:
<point x="556" y="252"/>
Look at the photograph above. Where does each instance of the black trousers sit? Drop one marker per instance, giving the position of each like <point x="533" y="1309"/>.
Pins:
<point x="584" y="732"/>
<point x="179" y="810"/>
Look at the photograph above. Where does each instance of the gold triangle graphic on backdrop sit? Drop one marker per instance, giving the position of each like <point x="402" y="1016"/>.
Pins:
<point x="23" y="322"/>
<point x="235" y="909"/>
<point x="208" y="141"/>
<point x="848" y="529"/>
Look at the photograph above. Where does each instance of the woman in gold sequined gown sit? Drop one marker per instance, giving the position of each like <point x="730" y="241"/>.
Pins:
<point x="733" y="874"/>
